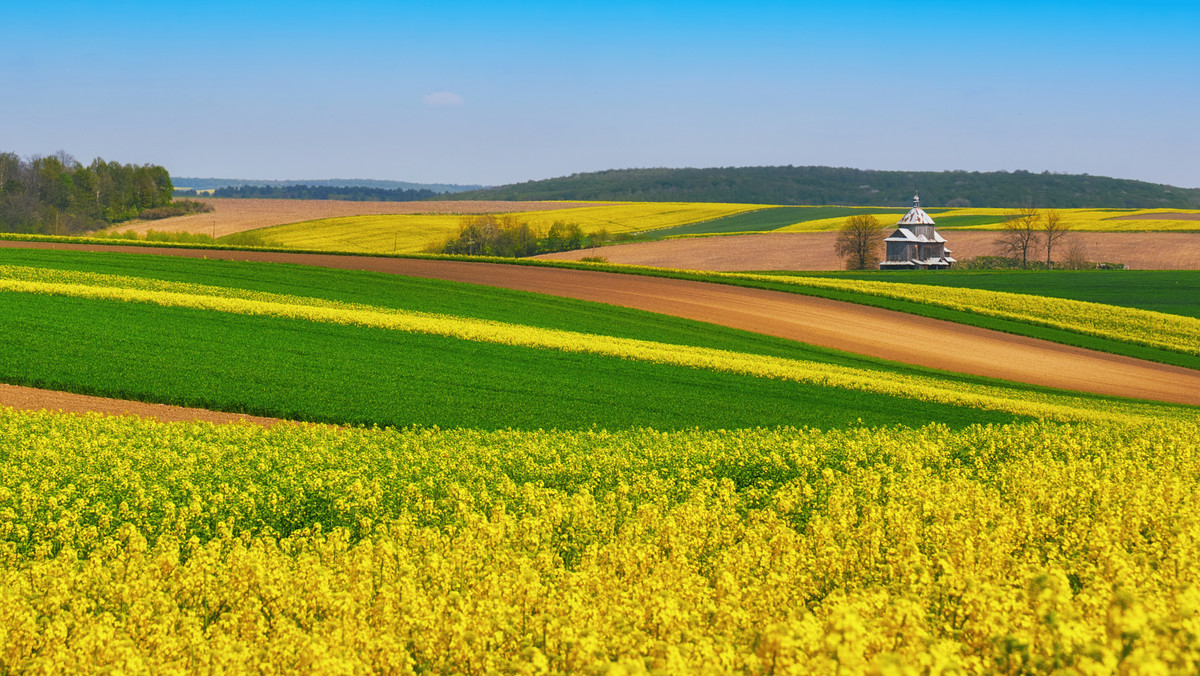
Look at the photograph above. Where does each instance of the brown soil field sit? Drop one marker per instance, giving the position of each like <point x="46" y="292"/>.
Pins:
<point x="232" y="215"/>
<point x="815" y="250"/>
<point x="1171" y="216"/>
<point x="844" y="326"/>
<point x="33" y="399"/>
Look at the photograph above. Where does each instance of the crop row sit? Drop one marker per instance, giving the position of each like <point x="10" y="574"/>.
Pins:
<point x="1018" y="548"/>
<point x="926" y="388"/>
<point x="1170" y="291"/>
<point x="1143" y="327"/>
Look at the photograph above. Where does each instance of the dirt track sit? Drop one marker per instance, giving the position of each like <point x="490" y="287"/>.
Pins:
<point x="814" y="250"/>
<point x="33" y="399"/>
<point x="854" y="328"/>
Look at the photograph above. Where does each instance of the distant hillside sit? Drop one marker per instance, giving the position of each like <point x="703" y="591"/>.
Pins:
<point x="829" y="185"/>
<point x="188" y="183"/>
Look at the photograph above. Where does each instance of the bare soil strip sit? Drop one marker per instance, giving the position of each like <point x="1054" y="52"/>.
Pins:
<point x="845" y="326"/>
<point x="232" y="215"/>
<point x="33" y="399"/>
<point x="815" y="250"/>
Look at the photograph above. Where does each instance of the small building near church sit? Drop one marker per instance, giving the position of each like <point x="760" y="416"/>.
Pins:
<point x="916" y="244"/>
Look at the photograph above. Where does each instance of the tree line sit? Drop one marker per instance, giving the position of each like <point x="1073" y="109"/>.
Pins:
<point x="56" y="194"/>
<point x="320" y="192"/>
<point x="842" y="186"/>
<point x="506" y="237"/>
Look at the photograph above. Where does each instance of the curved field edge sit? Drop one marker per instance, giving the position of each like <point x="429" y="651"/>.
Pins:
<point x="343" y="374"/>
<point x="439" y="297"/>
<point x="239" y="549"/>
<point x="198" y="297"/>
<point x="911" y="299"/>
<point x="1174" y="292"/>
<point x="1143" y="327"/>
<point x="1002" y="324"/>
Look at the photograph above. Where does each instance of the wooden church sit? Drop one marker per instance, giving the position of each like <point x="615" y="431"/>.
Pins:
<point x="916" y="244"/>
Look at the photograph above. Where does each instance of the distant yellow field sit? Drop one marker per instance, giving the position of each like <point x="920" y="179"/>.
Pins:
<point x="1096" y="220"/>
<point x="419" y="232"/>
<point x="1092" y="220"/>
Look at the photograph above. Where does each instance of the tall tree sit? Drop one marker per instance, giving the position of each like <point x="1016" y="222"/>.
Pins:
<point x="859" y="242"/>
<point x="1020" y="234"/>
<point x="1054" y="229"/>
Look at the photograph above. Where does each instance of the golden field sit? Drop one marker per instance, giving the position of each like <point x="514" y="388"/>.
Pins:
<point x="130" y="545"/>
<point x="422" y="232"/>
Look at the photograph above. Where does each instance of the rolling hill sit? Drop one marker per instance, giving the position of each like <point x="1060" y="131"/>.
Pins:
<point x="842" y="186"/>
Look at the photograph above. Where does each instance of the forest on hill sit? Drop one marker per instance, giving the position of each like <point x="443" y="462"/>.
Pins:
<point x="191" y="183"/>
<point x="58" y="195"/>
<point x="841" y="186"/>
<point x="320" y="192"/>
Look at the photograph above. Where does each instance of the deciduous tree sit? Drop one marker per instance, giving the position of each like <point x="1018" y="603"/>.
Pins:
<point x="859" y="242"/>
<point x="1020" y="235"/>
<point x="1054" y="229"/>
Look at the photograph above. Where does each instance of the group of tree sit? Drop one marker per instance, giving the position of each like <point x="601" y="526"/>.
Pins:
<point x="56" y="194"/>
<point x="320" y="192"/>
<point x="506" y="237"/>
<point x="1029" y="231"/>
<point x="841" y="186"/>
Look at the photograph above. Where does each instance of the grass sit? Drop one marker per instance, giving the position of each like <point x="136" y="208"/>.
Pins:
<point x="772" y="218"/>
<point x="347" y="374"/>
<point x="969" y="220"/>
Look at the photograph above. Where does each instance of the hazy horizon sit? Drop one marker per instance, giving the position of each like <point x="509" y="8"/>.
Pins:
<point x="494" y="95"/>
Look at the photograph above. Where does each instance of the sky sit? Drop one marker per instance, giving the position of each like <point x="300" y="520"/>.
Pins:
<point x="496" y="93"/>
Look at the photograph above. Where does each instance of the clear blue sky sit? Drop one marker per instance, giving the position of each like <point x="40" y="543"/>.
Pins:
<point x="496" y="93"/>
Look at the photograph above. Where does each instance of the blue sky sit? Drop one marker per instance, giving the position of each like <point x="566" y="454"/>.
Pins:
<point x="498" y="93"/>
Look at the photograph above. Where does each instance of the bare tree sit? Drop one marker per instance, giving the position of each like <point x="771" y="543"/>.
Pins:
<point x="1020" y="235"/>
<point x="859" y="242"/>
<point x="1054" y="229"/>
<point x="1076" y="256"/>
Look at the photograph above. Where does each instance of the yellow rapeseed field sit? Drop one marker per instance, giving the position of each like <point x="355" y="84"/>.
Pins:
<point x="421" y="232"/>
<point x="129" y="545"/>
<point x="1093" y="220"/>
<point x="1084" y="220"/>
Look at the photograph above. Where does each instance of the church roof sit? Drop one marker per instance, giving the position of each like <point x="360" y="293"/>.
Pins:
<point x="916" y="215"/>
<point x="906" y="235"/>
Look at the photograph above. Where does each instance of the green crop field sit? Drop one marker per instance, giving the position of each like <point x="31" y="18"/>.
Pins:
<point x="772" y="218"/>
<point x="1170" y="291"/>
<point x="346" y="374"/>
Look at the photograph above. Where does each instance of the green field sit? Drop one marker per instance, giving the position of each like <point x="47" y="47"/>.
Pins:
<point x="765" y="220"/>
<point x="1170" y="291"/>
<point x="969" y="220"/>
<point x="350" y="374"/>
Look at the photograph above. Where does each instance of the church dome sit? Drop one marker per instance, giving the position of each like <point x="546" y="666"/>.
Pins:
<point x="916" y="215"/>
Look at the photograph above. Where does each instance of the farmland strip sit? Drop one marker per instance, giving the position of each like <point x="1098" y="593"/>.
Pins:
<point x="880" y="333"/>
